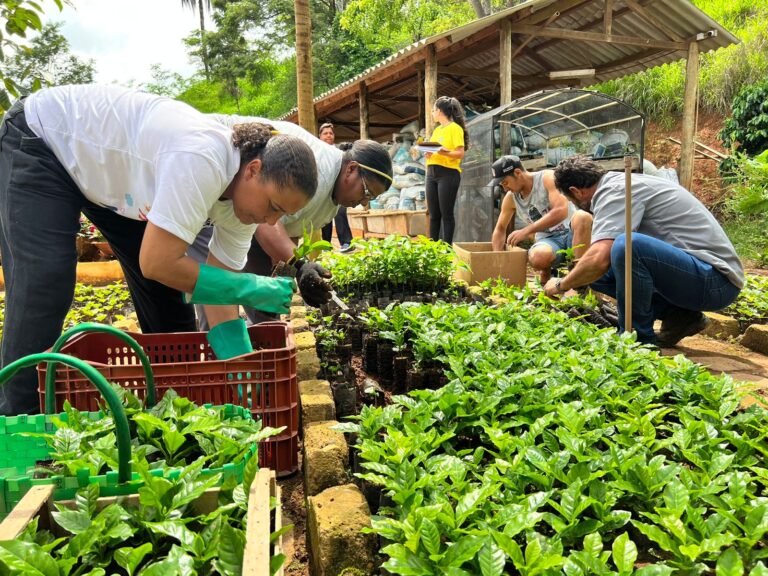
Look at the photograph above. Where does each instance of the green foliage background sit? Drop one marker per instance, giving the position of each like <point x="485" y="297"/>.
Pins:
<point x="659" y="92"/>
<point x="251" y="64"/>
<point x="252" y="67"/>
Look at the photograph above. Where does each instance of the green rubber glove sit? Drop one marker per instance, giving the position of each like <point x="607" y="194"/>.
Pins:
<point x="230" y="339"/>
<point x="222" y="287"/>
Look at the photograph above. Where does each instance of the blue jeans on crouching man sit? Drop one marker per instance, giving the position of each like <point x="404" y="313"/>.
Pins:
<point x="664" y="280"/>
<point x="40" y="209"/>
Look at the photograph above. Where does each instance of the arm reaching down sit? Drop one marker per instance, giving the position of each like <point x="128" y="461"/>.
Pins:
<point x="163" y="259"/>
<point x="498" y="239"/>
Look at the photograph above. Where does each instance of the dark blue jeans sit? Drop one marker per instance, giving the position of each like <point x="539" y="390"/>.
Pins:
<point x="664" y="279"/>
<point x="40" y="209"/>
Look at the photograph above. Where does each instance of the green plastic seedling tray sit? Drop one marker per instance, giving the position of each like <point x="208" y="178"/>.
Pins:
<point x="20" y="454"/>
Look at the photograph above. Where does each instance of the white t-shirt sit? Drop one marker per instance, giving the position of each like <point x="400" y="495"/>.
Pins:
<point x="321" y="208"/>
<point x="146" y="158"/>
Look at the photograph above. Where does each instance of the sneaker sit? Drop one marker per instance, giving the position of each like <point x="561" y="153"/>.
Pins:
<point x="346" y="248"/>
<point x="680" y="324"/>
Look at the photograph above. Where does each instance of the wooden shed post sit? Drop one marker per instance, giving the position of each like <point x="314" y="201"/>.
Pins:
<point x="505" y="78"/>
<point x="690" y="107"/>
<point x="505" y="61"/>
<point x="422" y="116"/>
<point x="430" y="87"/>
<point x="363" y="99"/>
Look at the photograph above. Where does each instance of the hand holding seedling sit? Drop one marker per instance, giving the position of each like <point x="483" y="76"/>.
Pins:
<point x="311" y="278"/>
<point x="517" y="236"/>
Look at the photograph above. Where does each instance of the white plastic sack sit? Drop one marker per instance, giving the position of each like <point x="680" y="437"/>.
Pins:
<point x="393" y="203"/>
<point x="406" y="180"/>
<point x="413" y="193"/>
<point x="407" y="204"/>
<point x="401" y="156"/>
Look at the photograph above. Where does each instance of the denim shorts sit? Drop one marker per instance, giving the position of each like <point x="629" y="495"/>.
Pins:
<point x="561" y="241"/>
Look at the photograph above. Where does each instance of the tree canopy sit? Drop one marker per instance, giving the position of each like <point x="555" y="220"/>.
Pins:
<point x="20" y="17"/>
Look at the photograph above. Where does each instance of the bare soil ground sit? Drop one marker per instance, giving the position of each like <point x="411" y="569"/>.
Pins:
<point x="707" y="184"/>
<point x="295" y="512"/>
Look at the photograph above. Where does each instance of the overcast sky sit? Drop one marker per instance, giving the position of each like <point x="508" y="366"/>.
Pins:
<point x="126" y="37"/>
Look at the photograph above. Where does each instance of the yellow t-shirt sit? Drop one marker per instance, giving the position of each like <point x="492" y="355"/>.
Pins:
<point x="451" y="136"/>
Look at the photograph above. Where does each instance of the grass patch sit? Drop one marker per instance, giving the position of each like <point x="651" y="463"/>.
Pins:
<point x="749" y="235"/>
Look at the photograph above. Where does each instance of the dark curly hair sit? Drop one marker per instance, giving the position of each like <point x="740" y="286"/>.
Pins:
<point x="285" y="160"/>
<point x="577" y="171"/>
<point x="453" y="109"/>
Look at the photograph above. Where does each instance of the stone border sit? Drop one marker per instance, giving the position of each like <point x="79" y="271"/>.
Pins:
<point x="94" y="273"/>
<point x="336" y="509"/>
<point x="722" y="327"/>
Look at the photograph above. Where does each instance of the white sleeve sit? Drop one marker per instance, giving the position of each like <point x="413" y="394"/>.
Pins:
<point x="188" y="188"/>
<point x="231" y="238"/>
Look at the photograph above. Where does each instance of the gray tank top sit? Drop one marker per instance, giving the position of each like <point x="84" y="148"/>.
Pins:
<point x="529" y="210"/>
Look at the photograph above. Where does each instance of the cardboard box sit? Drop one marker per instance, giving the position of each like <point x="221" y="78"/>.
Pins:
<point x="403" y="222"/>
<point x="484" y="263"/>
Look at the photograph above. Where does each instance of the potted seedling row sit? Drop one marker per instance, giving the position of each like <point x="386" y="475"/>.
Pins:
<point x="184" y="525"/>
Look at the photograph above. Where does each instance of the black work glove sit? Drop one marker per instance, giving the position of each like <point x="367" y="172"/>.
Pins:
<point x="310" y="277"/>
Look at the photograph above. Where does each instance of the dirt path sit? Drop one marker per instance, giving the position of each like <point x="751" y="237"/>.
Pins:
<point x="721" y="357"/>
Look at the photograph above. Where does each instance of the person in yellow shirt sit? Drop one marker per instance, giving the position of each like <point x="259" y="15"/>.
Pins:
<point x="444" y="167"/>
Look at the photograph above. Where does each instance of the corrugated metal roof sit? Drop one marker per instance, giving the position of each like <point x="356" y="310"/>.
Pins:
<point x="670" y="20"/>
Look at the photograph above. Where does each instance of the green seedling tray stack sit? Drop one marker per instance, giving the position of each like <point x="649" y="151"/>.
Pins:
<point x="21" y="454"/>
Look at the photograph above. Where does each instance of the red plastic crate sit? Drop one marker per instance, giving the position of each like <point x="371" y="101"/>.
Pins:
<point x="264" y="382"/>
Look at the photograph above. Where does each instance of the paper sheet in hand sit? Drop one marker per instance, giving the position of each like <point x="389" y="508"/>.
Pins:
<point x="428" y="146"/>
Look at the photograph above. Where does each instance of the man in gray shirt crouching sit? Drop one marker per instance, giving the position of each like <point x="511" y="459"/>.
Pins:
<point x="682" y="261"/>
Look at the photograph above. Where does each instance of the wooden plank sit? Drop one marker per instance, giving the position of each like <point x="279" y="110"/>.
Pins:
<point x="578" y="36"/>
<point x="643" y="13"/>
<point x="459" y="71"/>
<point x="277" y="494"/>
<point x="505" y="62"/>
<point x="506" y="58"/>
<point x="363" y="99"/>
<point x="554" y="16"/>
<point x="430" y="87"/>
<point x="257" y="549"/>
<point x="690" y="105"/>
<point x="593" y="23"/>
<point x="608" y="17"/>
<point x="420" y="87"/>
<point x="22" y="514"/>
<point x="710" y="152"/>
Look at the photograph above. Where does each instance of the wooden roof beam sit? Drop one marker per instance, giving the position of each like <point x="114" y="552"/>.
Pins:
<point x="650" y="18"/>
<point x="563" y="7"/>
<point x="632" y="59"/>
<point x="385" y="98"/>
<point x="356" y="124"/>
<point x="540" y="60"/>
<point x="484" y="39"/>
<point x="579" y="36"/>
<point x="608" y="17"/>
<point x="589" y="25"/>
<point x="387" y="110"/>
<point x="554" y="16"/>
<point x="458" y="71"/>
<point x="541" y="84"/>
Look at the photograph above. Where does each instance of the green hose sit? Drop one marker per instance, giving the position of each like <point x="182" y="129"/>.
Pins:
<point x="113" y="401"/>
<point x="50" y="373"/>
